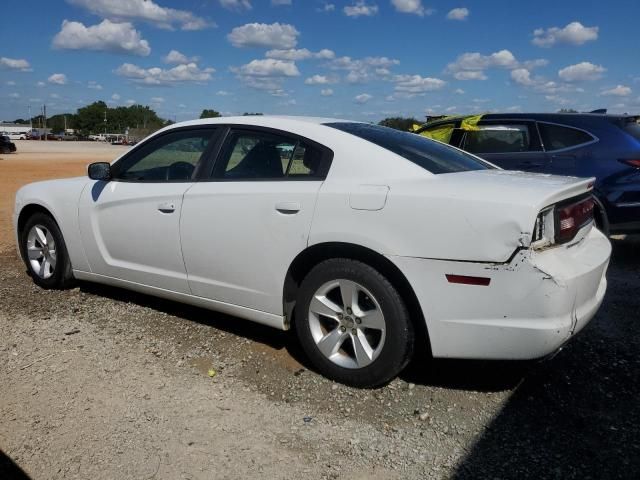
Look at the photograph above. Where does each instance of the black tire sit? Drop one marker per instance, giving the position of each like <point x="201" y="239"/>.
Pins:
<point x="62" y="276"/>
<point x="397" y="348"/>
<point x="5" y="150"/>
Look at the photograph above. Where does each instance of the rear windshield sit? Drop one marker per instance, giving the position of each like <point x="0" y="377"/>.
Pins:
<point x="432" y="156"/>
<point x="632" y="129"/>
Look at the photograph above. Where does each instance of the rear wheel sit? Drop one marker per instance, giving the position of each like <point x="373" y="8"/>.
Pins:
<point x="353" y="324"/>
<point x="45" y="253"/>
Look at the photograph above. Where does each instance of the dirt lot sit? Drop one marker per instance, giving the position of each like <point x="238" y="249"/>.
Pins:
<point x="101" y="383"/>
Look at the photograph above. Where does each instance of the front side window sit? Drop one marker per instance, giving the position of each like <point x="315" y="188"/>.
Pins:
<point x="170" y="157"/>
<point x="433" y="156"/>
<point x="557" y="137"/>
<point x="266" y="156"/>
<point x="498" y="139"/>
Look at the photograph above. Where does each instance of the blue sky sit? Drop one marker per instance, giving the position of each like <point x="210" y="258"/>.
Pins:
<point x="359" y="59"/>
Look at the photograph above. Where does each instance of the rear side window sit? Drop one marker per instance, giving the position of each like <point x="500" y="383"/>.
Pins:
<point x="432" y="156"/>
<point x="250" y="155"/>
<point x="498" y="139"/>
<point x="557" y="137"/>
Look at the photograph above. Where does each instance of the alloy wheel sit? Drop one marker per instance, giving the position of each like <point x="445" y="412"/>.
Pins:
<point x="41" y="251"/>
<point x="347" y="323"/>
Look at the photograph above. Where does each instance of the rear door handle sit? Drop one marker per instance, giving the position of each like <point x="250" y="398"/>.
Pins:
<point x="167" y="207"/>
<point x="288" y="208"/>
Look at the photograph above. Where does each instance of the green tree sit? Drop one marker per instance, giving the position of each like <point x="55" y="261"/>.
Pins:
<point x="90" y="119"/>
<point x="209" y="113"/>
<point x="399" y="123"/>
<point x="248" y="114"/>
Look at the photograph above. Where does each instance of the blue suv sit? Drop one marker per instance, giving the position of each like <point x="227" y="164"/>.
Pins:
<point x="578" y="144"/>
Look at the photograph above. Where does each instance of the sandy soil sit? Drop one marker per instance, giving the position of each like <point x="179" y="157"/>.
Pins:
<point x="39" y="160"/>
<point x="101" y="383"/>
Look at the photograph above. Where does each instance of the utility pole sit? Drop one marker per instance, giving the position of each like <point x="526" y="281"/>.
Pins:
<point x="105" y="123"/>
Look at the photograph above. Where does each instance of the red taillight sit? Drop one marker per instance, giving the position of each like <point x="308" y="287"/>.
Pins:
<point x="571" y="218"/>
<point x="633" y="163"/>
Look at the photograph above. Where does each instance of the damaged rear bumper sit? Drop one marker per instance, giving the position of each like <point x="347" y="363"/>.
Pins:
<point x="531" y="307"/>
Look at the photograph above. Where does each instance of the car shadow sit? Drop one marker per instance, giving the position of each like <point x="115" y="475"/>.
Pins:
<point x="10" y="470"/>
<point x="578" y="414"/>
<point x="271" y="337"/>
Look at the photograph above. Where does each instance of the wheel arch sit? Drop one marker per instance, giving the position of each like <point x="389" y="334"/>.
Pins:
<point x="27" y="212"/>
<point x="313" y="255"/>
<point x="601" y="217"/>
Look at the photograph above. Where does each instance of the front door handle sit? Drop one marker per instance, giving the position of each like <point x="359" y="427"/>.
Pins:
<point x="288" y="208"/>
<point x="167" y="207"/>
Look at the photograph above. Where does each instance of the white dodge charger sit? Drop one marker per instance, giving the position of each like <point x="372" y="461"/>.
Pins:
<point x="367" y="241"/>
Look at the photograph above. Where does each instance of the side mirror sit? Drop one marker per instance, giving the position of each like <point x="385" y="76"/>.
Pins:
<point x="100" y="171"/>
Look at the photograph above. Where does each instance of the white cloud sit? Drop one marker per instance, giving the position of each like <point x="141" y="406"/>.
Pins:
<point x="472" y="65"/>
<point x="412" y="85"/>
<point x="362" y="70"/>
<point x="186" y="73"/>
<point x="320" y="80"/>
<point x="362" y="98"/>
<point x="130" y="102"/>
<point x="326" y="92"/>
<point x="177" y="58"/>
<point x="275" y="35"/>
<point x="327" y="7"/>
<point x="581" y="72"/>
<point x="557" y="99"/>
<point x="54" y="95"/>
<point x="105" y="36"/>
<point x="40" y="84"/>
<point x="11" y="83"/>
<point x="522" y="76"/>
<point x="94" y="85"/>
<point x="300" y="54"/>
<point x="115" y="97"/>
<point x="470" y="75"/>
<point x="458" y="14"/>
<point x="411" y="6"/>
<point x="277" y="3"/>
<point x="618" y="91"/>
<point x="360" y="9"/>
<point x="14" y="95"/>
<point x="146" y="10"/>
<point x="574" y="34"/>
<point x="58" y="79"/>
<point x="15" y="64"/>
<point x="223" y="93"/>
<point x="157" y="100"/>
<point x="458" y="91"/>
<point x="237" y="5"/>
<point x="269" y="67"/>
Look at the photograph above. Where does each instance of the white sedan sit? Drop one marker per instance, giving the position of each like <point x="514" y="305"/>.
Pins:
<point x="369" y="242"/>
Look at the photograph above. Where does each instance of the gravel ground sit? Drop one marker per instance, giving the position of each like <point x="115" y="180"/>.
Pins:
<point x="102" y="383"/>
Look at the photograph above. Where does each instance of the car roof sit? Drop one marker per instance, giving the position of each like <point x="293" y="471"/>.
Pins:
<point x="261" y="120"/>
<point x="560" y="117"/>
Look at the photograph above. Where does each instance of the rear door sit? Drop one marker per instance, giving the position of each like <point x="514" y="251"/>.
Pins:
<point x="243" y="227"/>
<point x="566" y="147"/>
<point x="512" y="145"/>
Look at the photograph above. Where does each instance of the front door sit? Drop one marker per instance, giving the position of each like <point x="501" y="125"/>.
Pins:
<point x="131" y="224"/>
<point x="242" y="229"/>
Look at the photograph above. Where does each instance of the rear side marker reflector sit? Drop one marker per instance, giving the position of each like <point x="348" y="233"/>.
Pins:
<point x="466" y="280"/>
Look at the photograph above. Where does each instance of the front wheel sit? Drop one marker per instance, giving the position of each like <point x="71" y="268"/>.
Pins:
<point x="45" y="253"/>
<point x="353" y="324"/>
